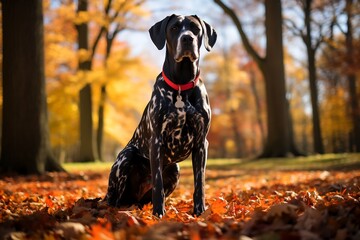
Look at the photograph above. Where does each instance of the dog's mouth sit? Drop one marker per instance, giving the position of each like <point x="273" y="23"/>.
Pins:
<point x="192" y="56"/>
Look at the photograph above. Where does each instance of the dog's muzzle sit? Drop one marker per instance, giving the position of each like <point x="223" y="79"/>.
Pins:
<point x="186" y="47"/>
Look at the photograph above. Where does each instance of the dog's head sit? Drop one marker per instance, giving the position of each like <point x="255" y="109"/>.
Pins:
<point x="183" y="35"/>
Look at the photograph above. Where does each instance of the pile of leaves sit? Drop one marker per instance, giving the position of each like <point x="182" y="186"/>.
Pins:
<point x="240" y="205"/>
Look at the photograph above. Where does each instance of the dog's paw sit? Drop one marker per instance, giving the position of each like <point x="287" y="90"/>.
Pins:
<point x="159" y="212"/>
<point x="199" y="209"/>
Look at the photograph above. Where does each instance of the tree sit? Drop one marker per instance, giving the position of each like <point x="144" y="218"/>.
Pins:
<point x="311" y="52"/>
<point x="306" y="32"/>
<point x="251" y="68"/>
<point x="298" y="87"/>
<point x="340" y="70"/>
<point x="116" y="16"/>
<point x="112" y="19"/>
<point x="351" y="77"/>
<point x="61" y="86"/>
<point x="25" y="134"/>
<point x="87" y="153"/>
<point x="231" y="75"/>
<point x="279" y="142"/>
<point x="119" y="71"/>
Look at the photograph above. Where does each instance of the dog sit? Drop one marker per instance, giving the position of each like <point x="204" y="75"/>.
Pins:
<point x="174" y="124"/>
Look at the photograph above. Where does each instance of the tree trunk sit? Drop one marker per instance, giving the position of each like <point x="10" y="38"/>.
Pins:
<point x="293" y="148"/>
<point x="352" y="83"/>
<point x="257" y="106"/>
<point x="280" y="142"/>
<point x="311" y="51"/>
<point x="86" y="126"/>
<point x="101" y="113"/>
<point x="87" y="153"/>
<point x="103" y="94"/>
<point x="318" y="144"/>
<point x="238" y="138"/>
<point x="304" y="140"/>
<point x="25" y="133"/>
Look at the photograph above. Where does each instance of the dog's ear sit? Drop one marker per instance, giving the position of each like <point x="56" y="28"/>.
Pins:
<point x="209" y="34"/>
<point x="158" y="32"/>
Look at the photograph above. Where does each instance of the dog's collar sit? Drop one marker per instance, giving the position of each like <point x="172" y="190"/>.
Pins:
<point x="181" y="87"/>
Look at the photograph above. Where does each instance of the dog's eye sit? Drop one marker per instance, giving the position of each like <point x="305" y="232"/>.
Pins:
<point x="195" y="29"/>
<point x="174" y="28"/>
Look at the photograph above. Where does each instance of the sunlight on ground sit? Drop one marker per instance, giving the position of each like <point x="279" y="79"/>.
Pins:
<point x="314" y="162"/>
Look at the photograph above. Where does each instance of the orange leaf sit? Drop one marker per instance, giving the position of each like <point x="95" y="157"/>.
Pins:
<point x="49" y="202"/>
<point x="219" y="205"/>
<point x="100" y="232"/>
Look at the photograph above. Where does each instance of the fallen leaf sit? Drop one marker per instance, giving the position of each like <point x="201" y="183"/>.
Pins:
<point x="218" y="205"/>
<point x="282" y="209"/>
<point x="70" y="230"/>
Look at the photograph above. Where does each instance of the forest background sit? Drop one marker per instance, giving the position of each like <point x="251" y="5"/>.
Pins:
<point x="116" y="68"/>
<point x="283" y="80"/>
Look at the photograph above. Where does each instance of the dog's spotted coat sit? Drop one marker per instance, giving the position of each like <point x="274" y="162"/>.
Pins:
<point x="146" y="170"/>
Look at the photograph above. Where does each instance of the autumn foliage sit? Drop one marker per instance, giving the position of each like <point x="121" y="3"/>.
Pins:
<point x="264" y="204"/>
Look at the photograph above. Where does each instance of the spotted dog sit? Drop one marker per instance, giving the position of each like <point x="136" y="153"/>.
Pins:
<point x="174" y="124"/>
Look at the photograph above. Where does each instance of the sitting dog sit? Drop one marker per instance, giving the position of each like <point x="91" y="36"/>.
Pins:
<point x="174" y="124"/>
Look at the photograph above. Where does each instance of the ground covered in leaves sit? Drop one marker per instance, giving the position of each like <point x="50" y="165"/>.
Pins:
<point x="241" y="204"/>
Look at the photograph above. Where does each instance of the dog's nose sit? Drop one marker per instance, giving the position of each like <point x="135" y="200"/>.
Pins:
<point x="186" y="39"/>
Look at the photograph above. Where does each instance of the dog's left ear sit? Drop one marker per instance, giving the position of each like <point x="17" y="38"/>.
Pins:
<point x="158" y="32"/>
<point x="209" y="34"/>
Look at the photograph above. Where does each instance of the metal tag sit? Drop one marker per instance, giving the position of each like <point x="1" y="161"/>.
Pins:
<point x="179" y="103"/>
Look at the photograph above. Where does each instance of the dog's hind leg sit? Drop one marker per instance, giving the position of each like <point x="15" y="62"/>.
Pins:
<point x="129" y="180"/>
<point x="171" y="175"/>
<point x="118" y="177"/>
<point x="140" y="180"/>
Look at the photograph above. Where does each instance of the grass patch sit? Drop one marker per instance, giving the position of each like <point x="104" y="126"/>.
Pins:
<point x="316" y="162"/>
<point x="88" y="166"/>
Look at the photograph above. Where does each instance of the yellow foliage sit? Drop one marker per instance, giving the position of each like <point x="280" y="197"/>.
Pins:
<point x="120" y="4"/>
<point x="335" y="118"/>
<point x="128" y="90"/>
<point x="129" y="84"/>
<point x="84" y="55"/>
<point x="230" y="145"/>
<point x="57" y="55"/>
<point x="129" y="12"/>
<point x="67" y="11"/>
<point x="81" y="17"/>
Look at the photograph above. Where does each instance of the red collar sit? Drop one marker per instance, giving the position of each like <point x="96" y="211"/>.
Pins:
<point x="181" y="87"/>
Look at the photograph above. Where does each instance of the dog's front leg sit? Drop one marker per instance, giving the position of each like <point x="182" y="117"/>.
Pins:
<point x="156" y="161"/>
<point x="199" y="157"/>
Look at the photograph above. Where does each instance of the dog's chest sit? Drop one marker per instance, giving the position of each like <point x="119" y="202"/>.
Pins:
<point x="169" y="130"/>
<point x="177" y="135"/>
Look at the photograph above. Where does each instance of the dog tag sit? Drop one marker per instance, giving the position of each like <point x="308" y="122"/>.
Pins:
<point x="179" y="103"/>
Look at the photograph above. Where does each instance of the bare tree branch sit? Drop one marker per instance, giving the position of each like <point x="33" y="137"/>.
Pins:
<point x="292" y="27"/>
<point x="101" y="31"/>
<point x="319" y="40"/>
<point x="96" y="42"/>
<point x="249" y="48"/>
